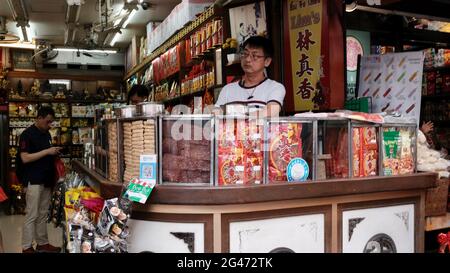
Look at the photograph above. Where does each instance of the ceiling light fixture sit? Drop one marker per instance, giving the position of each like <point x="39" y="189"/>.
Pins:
<point x="65" y="49"/>
<point x="24" y="33"/>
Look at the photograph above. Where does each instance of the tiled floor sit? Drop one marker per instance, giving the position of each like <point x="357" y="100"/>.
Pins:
<point x="11" y="229"/>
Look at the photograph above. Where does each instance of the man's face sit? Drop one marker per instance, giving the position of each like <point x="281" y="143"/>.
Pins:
<point x="253" y="60"/>
<point x="135" y="99"/>
<point x="44" y="123"/>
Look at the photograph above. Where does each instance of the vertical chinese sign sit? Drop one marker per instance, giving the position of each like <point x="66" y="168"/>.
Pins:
<point x="304" y="24"/>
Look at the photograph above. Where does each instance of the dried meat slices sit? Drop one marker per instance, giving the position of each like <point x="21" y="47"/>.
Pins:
<point x="337" y="167"/>
<point x="285" y="143"/>
<point x="185" y="160"/>
<point x="240" y="153"/>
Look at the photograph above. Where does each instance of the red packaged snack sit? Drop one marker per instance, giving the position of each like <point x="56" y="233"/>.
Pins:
<point x="285" y="143"/>
<point x="240" y="153"/>
<point x="365" y="152"/>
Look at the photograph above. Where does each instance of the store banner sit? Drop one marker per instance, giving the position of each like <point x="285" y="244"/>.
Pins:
<point x="394" y="81"/>
<point x="305" y="31"/>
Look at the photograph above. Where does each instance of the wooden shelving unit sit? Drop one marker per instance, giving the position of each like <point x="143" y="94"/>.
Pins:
<point x="177" y="37"/>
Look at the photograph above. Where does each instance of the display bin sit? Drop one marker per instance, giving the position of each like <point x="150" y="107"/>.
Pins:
<point x="186" y="150"/>
<point x="290" y="149"/>
<point x="239" y="150"/>
<point x="398" y="149"/>
<point x="137" y="136"/>
<point x="365" y="142"/>
<point x="333" y="148"/>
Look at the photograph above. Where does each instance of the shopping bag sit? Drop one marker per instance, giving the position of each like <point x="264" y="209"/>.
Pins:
<point x="60" y="169"/>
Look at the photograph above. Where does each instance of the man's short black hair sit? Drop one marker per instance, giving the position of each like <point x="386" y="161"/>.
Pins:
<point x="44" y="111"/>
<point x="260" y="42"/>
<point x="139" y="90"/>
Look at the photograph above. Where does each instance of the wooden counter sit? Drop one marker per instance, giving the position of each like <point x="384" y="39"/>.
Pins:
<point x="343" y="215"/>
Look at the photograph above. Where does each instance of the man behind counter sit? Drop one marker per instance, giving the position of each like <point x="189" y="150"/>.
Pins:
<point x="138" y="93"/>
<point x="254" y="89"/>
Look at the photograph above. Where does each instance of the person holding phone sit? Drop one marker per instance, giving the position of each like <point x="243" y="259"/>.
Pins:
<point x="36" y="171"/>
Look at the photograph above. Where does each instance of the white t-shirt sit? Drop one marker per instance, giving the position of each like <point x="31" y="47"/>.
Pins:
<point x="254" y="96"/>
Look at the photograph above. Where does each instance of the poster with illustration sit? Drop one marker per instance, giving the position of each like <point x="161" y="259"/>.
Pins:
<point x="394" y="81"/>
<point x="22" y="60"/>
<point x="247" y="21"/>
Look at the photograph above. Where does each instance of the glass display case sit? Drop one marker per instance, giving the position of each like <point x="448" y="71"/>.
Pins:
<point x="186" y="150"/>
<point x="398" y="148"/>
<point x="239" y="150"/>
<point x="333" y="142"/>
<point x="112" y="128"/>
<point x="100" y="144"/>
<point x="289" y="149"/>
<point x="138" y="136"/>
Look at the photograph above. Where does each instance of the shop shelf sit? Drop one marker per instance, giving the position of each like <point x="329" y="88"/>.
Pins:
<point x="442" y="68"/>
<point x="437" y="97"/>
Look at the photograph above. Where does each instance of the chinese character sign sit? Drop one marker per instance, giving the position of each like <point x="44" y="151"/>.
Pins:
<point x="305" y="30"/>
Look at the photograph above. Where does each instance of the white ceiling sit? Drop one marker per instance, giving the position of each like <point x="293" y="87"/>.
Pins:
<point x="47" y="18"/>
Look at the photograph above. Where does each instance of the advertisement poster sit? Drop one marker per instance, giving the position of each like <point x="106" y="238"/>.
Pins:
<point x="247" y="21"/>
<point x="305" y="30"/>
<point x="394" y="81"/>
<point x="358" y="43"/>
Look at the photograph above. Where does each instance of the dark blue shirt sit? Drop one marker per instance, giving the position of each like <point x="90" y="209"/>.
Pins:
<point x="41" y="171"/>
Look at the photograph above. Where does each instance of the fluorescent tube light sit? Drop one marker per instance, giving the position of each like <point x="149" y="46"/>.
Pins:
<point x="18" y="45"/>
<point x="85" y="50"/>
<point x="114" y="39"/>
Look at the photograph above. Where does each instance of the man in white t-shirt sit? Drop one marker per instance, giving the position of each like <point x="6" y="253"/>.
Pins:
<point x="254" y="89"/>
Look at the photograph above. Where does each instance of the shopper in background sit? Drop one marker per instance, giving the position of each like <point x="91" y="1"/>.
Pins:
<point x="427" y="129"/>
<point x="36" y="171"/>
<point x="255" y="89"/>
<point x="138" y="93"/>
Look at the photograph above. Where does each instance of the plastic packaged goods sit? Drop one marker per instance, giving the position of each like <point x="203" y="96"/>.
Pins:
<point x="240" y="151"/>
<point x="289" y="150"/>
<point x="139" y="137"/>
<point x="365" y="151"/>
<point x="398" y="149"/>
<point x="113" y="172"/>
<point x="185" y="149"/>
<point x="183" y="13"/>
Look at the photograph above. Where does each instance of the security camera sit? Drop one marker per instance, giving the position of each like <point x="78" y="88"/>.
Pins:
<point x="145" y="5"/>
